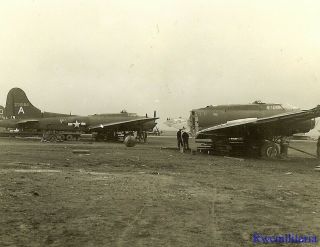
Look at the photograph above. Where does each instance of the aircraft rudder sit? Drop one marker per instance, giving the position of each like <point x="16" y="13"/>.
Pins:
<point x="19" y="106"/>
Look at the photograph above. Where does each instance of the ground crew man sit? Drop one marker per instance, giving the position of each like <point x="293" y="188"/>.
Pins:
<point x="284" y="145"/>
<point x="318" y="147"/>
<point x="179" y="139"/>
<point x="145" y="136"/>
<point x="185" y="140"/>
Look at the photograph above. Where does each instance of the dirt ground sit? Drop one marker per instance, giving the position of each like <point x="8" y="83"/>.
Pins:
<point x="147" y="196"/>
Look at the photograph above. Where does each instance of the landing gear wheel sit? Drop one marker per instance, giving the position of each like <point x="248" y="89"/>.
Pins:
<point x="130" y="141"/>
<point x="270" y="150"/>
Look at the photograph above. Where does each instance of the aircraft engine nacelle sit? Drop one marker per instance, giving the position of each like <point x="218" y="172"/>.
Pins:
<point x="301" y="127"/>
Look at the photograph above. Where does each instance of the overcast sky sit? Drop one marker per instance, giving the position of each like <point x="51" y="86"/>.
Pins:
<point x="103" y="56"/>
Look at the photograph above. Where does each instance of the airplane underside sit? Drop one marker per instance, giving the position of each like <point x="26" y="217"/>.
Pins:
<point x="246" y="141"/>
<point x="239" y="146"/>
<point x="265" y="141"/>
<point x="141" y="136"/>
<point x="111" y="136"/>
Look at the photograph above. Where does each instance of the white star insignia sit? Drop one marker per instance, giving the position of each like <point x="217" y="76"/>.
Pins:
<point x="76" y="124"/>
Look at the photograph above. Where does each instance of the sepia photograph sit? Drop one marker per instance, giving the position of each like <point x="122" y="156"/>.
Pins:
<point x="159" y="123"/>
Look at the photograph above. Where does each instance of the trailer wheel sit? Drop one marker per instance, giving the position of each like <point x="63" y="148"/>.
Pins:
<point x="69" y="137"/>
<point x="270" y="150"/>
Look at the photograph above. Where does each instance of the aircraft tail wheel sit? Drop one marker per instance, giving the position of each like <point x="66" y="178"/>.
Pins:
<point x="69" y="137"/>
<point x="270" y="150"/>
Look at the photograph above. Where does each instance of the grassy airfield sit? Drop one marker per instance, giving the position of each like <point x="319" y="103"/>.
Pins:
<point x="147" y="196"/>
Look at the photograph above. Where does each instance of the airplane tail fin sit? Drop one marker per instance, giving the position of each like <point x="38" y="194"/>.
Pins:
<point x="19" y="106"/>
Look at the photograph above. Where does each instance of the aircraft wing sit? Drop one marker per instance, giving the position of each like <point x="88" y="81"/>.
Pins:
<point x="27" y="121"/>
<point x="121" y="123"/>
<point x="228" y="125"/>
<point x="284" y="118"/>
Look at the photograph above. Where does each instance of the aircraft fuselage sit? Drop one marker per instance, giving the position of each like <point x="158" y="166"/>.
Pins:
<point x="215" y="115"/>
<point x="77" y="123"/>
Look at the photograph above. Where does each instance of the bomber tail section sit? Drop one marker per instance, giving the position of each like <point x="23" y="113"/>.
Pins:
<point x="19" y="106"/>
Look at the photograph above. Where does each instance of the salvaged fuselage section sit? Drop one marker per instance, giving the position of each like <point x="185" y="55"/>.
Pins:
<point x="236" y="125"/>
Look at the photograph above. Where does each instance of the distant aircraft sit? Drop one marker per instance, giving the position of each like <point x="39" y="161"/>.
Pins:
<point x="251" y="128"/>
<point x="177" y="123"/>
<point x="20" y="114"/>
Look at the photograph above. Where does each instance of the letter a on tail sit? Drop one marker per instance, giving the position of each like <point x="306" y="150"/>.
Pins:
<point x="21" y="110"/>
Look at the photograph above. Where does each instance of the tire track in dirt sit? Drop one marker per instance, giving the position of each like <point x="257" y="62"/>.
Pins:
<point x="129" y="227"/>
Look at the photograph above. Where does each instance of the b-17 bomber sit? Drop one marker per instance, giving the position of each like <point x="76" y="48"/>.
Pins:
<point x="20" y="114"/>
